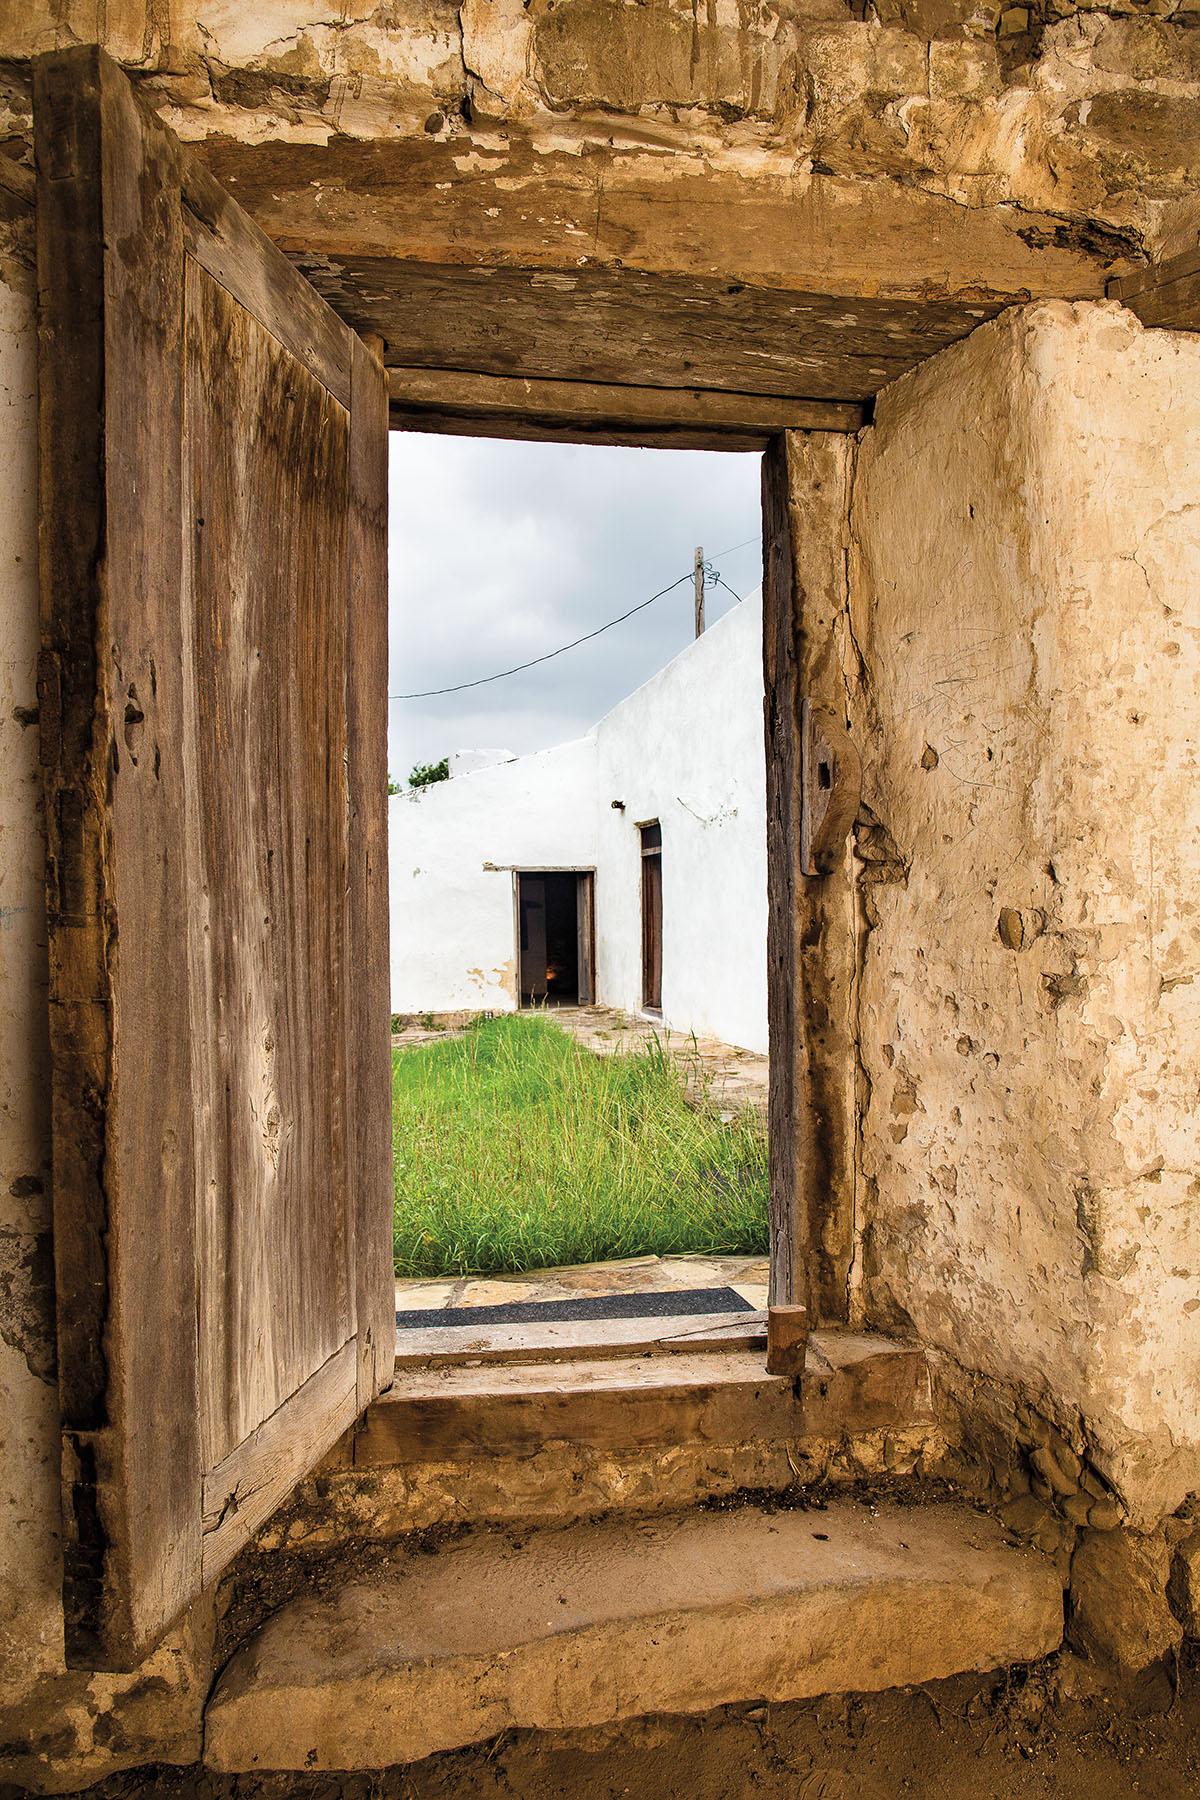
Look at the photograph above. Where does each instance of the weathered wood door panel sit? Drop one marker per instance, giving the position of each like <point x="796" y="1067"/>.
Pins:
<point x="213" y="479"/>
<point x="585" y="932"/>
<point x="266" y="485"/>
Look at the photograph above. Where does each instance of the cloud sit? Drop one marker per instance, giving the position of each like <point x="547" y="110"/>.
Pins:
<point x="501" y="551"/>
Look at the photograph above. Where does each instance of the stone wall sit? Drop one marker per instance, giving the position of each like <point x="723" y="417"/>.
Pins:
<point x="904" y="144"/>
<point x="1022" y="666"/>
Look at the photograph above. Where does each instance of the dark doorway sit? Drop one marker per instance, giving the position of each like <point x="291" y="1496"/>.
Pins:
<point x="554" y="910"/>
<point x="652" y="917"/>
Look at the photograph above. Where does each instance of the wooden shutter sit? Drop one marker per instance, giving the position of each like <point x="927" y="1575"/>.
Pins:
<point x="585" y="915"/>
<point x="213" y="707"/>
<point x="652" y="915"/>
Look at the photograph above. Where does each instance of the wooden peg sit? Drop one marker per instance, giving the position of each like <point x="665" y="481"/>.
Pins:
<point x="787" y="1339"/>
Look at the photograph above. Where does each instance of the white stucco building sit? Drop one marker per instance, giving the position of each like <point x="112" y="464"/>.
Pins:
<point x="629" y="866"/>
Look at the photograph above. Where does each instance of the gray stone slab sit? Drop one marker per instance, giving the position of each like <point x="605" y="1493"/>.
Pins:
<point x="595" y="1623"/>
<point x="551" y="1339"/>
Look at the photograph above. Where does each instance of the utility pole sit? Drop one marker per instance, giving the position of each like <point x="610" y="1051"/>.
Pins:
<point x="698" y="570"/>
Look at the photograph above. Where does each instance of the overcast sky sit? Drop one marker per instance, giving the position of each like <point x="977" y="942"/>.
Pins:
<point x="501" y="551"/>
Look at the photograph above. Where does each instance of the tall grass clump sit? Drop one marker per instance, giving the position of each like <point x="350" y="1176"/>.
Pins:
<point x="516" y="1149"/>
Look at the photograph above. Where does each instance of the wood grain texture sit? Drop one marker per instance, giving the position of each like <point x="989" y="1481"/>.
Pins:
<point x="579" y="411"/>
<point x="368" y="991"/>
<point x="536" y="428"/>
<point x="585" y="936"/>
<point x="1164" y="295"/>
<point x="556" y="196"/>
<point x="109" y="275"/>
<point x="467" y="1415"/>
<point x="473" y="1413"/>
<point x="1170" y="301"/>
<point x="630" y="327"/>
<point x="810" y="937"/>
<point x="243" y="1492"/>
<point x="441" y="1346"/>
<point x="820" y="474"/>
<point x="229" y="245"/>
<point x="787" y="1097"/>
<point x="266" y="468"/>
<point x="787" y="1339"/>
<point x="199" y="479"/>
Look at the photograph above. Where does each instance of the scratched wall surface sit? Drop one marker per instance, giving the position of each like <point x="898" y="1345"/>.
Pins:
<point x="1025" y="595"/>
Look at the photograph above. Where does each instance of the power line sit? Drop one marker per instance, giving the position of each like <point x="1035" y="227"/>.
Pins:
<point x="483" y="680"/>
<point x="757" y="539"/>
<point x="713" y="577"/>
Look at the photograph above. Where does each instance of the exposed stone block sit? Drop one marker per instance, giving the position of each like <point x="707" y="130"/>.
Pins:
<point x="1183" y="1589"/>
<point x="1119" y="1615"/>
<point x="593" y="1624"/>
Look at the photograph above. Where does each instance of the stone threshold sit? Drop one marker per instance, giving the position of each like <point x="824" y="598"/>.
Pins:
<point x="556" y="1340"/>
<point x="590" y="1624"/>
<point x="525" y="1443"/>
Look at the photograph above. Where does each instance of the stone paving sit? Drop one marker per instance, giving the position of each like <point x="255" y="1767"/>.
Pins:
<point x="723" y="1074"/>
<point x="747" y="1275"/>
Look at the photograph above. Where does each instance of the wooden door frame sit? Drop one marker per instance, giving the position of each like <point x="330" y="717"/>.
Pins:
<point x="811" y="930"/>
<point x="586" y="917"/>
<point x="808" y="453"/>
<point x="557" y="412"/>
<point x="585" y="905"/>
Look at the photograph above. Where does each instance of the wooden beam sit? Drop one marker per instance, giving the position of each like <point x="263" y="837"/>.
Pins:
<point x="1164" y="295"/>
<point x="651" y="199"/>
<point x="476" y="405"/>
<point x="621" y="328"/>
<point x="811" y="919"/>
<point x="115" y="726"/>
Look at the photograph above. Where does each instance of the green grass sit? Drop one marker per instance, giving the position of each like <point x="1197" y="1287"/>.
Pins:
<point x="515" y="1149"/>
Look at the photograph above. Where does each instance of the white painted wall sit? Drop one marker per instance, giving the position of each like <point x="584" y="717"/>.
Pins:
<point x="686" y="749"/>
<point x="468" y="762"/>
<point x="453" y="931"/>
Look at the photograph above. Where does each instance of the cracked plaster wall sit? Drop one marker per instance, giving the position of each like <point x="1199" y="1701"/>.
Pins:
<point x="1085" y="117"/>
<point x="1024" y="584"/>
